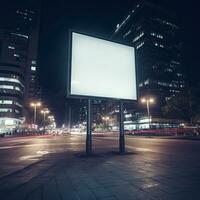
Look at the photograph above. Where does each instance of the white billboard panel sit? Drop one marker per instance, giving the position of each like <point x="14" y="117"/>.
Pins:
<point x="100" y="68"/>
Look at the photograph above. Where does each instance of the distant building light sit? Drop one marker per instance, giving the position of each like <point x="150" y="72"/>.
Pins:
<point x="6" y="102"/>
<point x="140" y="45"/>
<point x="138" y="37"/>
<point x="20" y="35"/>
<point x="5" y="110"/>
<point x="146" y="82"/>
<point x="13" y="80"/>
<point x="158" y="45"/>
<point x="126" y="34"/>
<point x="18" y="104"/>
<point x="17" y="111"/>
<point x="128" y="115"/>
<point x="122" y="24"/>
<point x="10" y="87"/>
<point x="167" y="23"/>
<point x="33" y="68"/>
<point x="175" y="62"/>
<point x="11" y="47"/>
<point x="179" y="74"/>
<point x="16" y="55"/>
<point x="156" y="35"/>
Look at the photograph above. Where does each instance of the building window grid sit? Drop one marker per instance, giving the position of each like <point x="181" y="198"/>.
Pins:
<point x="138" y="37"/>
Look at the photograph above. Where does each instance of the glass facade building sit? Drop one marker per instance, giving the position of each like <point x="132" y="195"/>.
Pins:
<point x="154" y="32"/>
<point x="19" y="70"/>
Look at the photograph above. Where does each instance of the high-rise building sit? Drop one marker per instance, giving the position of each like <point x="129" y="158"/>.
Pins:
<point x="153" y="30"/>
<point x="19" y="84"/>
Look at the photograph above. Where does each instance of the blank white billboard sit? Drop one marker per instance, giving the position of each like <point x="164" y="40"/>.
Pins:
<point x="100" y="68"/>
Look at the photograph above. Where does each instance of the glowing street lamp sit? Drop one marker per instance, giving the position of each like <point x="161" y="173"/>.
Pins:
<point x="44" y="112"/>
<point x="35" y="105"/>
<point x="106" y="119"/>
<point x="51" y="118"/>
<point x="148" y="101"/>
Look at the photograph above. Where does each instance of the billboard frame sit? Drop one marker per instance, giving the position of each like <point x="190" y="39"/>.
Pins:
<point x="69" y="70"/>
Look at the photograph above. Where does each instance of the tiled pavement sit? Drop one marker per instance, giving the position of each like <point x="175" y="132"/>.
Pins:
<point x="108" y="176"/>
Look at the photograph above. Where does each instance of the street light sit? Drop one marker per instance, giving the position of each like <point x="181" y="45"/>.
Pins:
<point x="148" y="101"/>
<point x="51" y="118"/>
<point x="44" y="112"/>
<point x="106" y="119"/>
<point x="35" y="105"/>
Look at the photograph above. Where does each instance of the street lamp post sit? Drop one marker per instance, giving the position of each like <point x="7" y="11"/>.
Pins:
<point x="44" y="112"/>
<point x="106" y="119"/>
<point x="35" y="105"/>
<point x="148" y="101"/>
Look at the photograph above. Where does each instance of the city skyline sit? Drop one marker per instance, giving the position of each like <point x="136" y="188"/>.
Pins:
<point x="105" y="24"/>
<point x="93" y="17"/>
<point x="99" y="100"/>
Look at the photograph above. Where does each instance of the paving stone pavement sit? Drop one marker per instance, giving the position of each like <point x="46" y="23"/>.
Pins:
<point x="108" y="176"/>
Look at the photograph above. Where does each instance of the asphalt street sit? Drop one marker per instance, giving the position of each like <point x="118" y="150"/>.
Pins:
<point x="23" y="159"/>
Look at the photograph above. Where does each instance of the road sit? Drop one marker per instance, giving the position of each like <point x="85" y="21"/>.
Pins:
<point x="18" y="153"/>
<point x="23" y="159"/>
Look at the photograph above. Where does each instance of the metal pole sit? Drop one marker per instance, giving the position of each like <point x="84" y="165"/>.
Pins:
<point x="44" y="122"/>
<point x="121" y="133"/>
<point x="148" y="112"/>
<point x="34" y="120"/>
<point x="89" y="130"/>
<point x="69" y="122"/>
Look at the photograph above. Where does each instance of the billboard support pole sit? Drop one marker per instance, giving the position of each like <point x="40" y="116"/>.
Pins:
<point x="121" y="133"/>
<point x="89" y="130"/>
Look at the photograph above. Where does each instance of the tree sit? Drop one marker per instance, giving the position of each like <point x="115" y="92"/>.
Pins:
<point x="185" y="105"/>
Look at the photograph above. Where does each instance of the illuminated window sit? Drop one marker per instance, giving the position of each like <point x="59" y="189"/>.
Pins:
<point x="17" y="88"/>
<point x="13" y="80"/>
<point x="126" y="34"/>
<point x="17" y="111"/>
<point x="120" y="25"/>
<point x="5" y="110"/>
<point x="33" y="68"/>
<point x="10" y="87"/>
<point x="179" y="74"/>
<point x="6" y="102"/>
<point x="33" y="62"/>
<point x="140" y="45"/>
<point x="158" y="45"/>
<point x="167" y="23"/>
<point x="18" y="104"/>
<point x="175" y="62"/>
<point x="16" y="55"/>
<point x="156" y="35"/>
<point x="174" y="91"/>
<point x="141" y="85"/>
<point x="20" y="35"/>
<point x="168" y="70"/>
<point x="11" y="47"/>
<point x="146" y="82"/>
<point x="138" y="37"/>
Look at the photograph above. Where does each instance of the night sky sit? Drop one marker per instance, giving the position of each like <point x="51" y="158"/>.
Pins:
<point x="99" y="17"/>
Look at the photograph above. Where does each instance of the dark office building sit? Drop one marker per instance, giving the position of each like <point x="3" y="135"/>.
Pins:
<point x="18" y="61"/>
<point x="153" y="30"/>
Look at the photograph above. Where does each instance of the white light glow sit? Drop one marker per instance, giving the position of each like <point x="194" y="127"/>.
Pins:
<point x="100" y="68"/>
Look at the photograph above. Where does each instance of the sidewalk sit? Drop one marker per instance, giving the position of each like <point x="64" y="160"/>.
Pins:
<point x="106" y="176"/>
